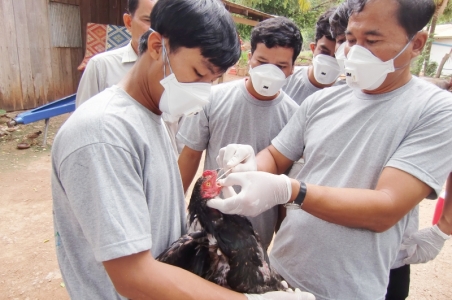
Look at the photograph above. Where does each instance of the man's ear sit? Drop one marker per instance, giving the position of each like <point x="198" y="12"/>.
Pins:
<point x="419" y="41"/>
<point x="127" y="18"/>
<point x="249" y="55"/>
<point x="155" y="45"/>
<point x="312" y="46"/>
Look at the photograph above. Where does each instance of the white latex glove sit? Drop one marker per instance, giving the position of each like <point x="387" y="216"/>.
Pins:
<point x="260" y="192"/>
<point x="289" y="295"/>
<point x="424" y="245"/>
<point x="233" y="156"/>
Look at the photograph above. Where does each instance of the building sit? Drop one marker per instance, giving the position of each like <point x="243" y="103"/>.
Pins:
<point x="43" y="43"/>
<point x="441" y="46"/>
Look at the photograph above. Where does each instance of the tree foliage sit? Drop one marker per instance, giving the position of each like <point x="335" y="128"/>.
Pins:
<point x="441" y="6"/>
<point x="302" y="5"/>
<point x="303" y="12"/>
<point x="446" y="16"/>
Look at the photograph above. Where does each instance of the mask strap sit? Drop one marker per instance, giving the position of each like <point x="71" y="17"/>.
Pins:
<point x="167" y="58"/>
<point x="401" y="51"/>
<point x="404" y="48"/>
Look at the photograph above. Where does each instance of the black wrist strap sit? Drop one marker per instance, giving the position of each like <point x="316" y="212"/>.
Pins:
<point x="298" y="202"/>
<point x="301" y="194"/>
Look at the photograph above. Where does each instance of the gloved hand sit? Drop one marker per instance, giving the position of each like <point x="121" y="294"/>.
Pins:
<point x="424" y="245"/>
<point x="240" y="158"/>
<point x="289" y="295"/>
<point x="260" y="192"/>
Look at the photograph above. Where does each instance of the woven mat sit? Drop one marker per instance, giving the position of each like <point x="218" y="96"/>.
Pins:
<point x="101" y="38"/>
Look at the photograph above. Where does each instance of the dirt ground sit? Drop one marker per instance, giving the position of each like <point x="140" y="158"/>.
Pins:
<point x="28" y="265"/>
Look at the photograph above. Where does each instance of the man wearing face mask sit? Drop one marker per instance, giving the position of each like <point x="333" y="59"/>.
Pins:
<point x="321" y="74"/>
<point x="117" y="194"/>
<point x="248" y="111"/>
<point x="324" y="69"/>
<point x="371" y="155"/>
<point x="423" y="245"/>
<point x="108" y="68"/>
<point x="338" y="25"/>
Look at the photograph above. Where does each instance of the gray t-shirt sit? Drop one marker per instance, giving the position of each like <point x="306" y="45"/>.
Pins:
<point x="116" y="190"/>
<point x="234" y="116"/>
<point x="349" y="137"/>
<point x="298" y="87"/>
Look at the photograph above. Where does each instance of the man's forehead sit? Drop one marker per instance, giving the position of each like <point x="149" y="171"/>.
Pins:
<point x="324" y="42"/>
<point x="283" y="52"/>
<point x="145" y="6"/>
<point x="378" y="18"/>
<point x="371" y="32"/>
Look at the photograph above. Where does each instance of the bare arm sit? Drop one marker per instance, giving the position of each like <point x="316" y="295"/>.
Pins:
<point x="378" y="210"/>
<point x="140" y="276"/>
<point x="445" y="222"/>
<point x="188" y="165"/>
<point x="272" y="161"/>
<point x="397" y="192"/>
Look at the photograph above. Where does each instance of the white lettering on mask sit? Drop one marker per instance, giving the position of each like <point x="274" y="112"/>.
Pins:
<point x="267" y="79"/>
<point x="326" y="69"/>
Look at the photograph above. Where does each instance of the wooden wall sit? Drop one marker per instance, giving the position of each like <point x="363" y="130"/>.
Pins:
<point x="102" y="12"/>
<point x="32" y="72"/>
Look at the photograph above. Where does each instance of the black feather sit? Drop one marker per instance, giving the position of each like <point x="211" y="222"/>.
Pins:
<point x="226" y="249"/>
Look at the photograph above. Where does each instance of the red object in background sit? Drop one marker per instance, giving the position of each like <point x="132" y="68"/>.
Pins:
<point x="439" y="208"/>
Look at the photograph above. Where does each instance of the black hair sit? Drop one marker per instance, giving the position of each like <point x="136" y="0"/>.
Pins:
<point x="412" y="15"/>
<point x="339" y="19"/>
<point x="278" y="31"/>
<point x="203" y="24"/>
<point x="132" y="6"/>
<point x="322" y="27"/>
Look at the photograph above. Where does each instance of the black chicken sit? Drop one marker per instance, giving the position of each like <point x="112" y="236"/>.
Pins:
<point x="225" y="250"/>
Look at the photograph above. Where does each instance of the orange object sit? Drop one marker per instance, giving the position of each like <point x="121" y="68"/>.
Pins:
<point x="439" y="208"/>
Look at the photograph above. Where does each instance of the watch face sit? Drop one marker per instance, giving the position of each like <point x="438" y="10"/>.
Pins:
<point x="292" y="206"/>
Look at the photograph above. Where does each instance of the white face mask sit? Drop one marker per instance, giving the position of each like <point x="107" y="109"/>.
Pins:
<point x="181" y="98"/>
<point x="365" y="71"/>
<point x="267" y="79"/>
<point x="326" y="69"/>
<point x="340" y="57"/>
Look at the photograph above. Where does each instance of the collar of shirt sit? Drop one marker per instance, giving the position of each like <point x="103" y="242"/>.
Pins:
<point x="129" y="54"/>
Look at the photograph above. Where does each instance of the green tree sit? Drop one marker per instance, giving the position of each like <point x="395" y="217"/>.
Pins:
<point x="446" y="16"/>
<point x="440" y="7"/>
<point x="303" y="12"/>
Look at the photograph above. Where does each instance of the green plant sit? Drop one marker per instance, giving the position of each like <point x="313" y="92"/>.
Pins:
<point x="431" y="69"/>
<point x="417" y="66"/>
<point x="244" y="31"/>
<point x="243" y="60"/>
<point x="2" y="112"/>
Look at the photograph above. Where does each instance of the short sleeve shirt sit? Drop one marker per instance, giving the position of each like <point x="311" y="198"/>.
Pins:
<point x="234" y="116"/>
<point x="347" y="139"/>
<point x="116" y="190"/>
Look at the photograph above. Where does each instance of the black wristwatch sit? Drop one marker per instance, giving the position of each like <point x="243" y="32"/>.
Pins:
<point x="298" y="202"/>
